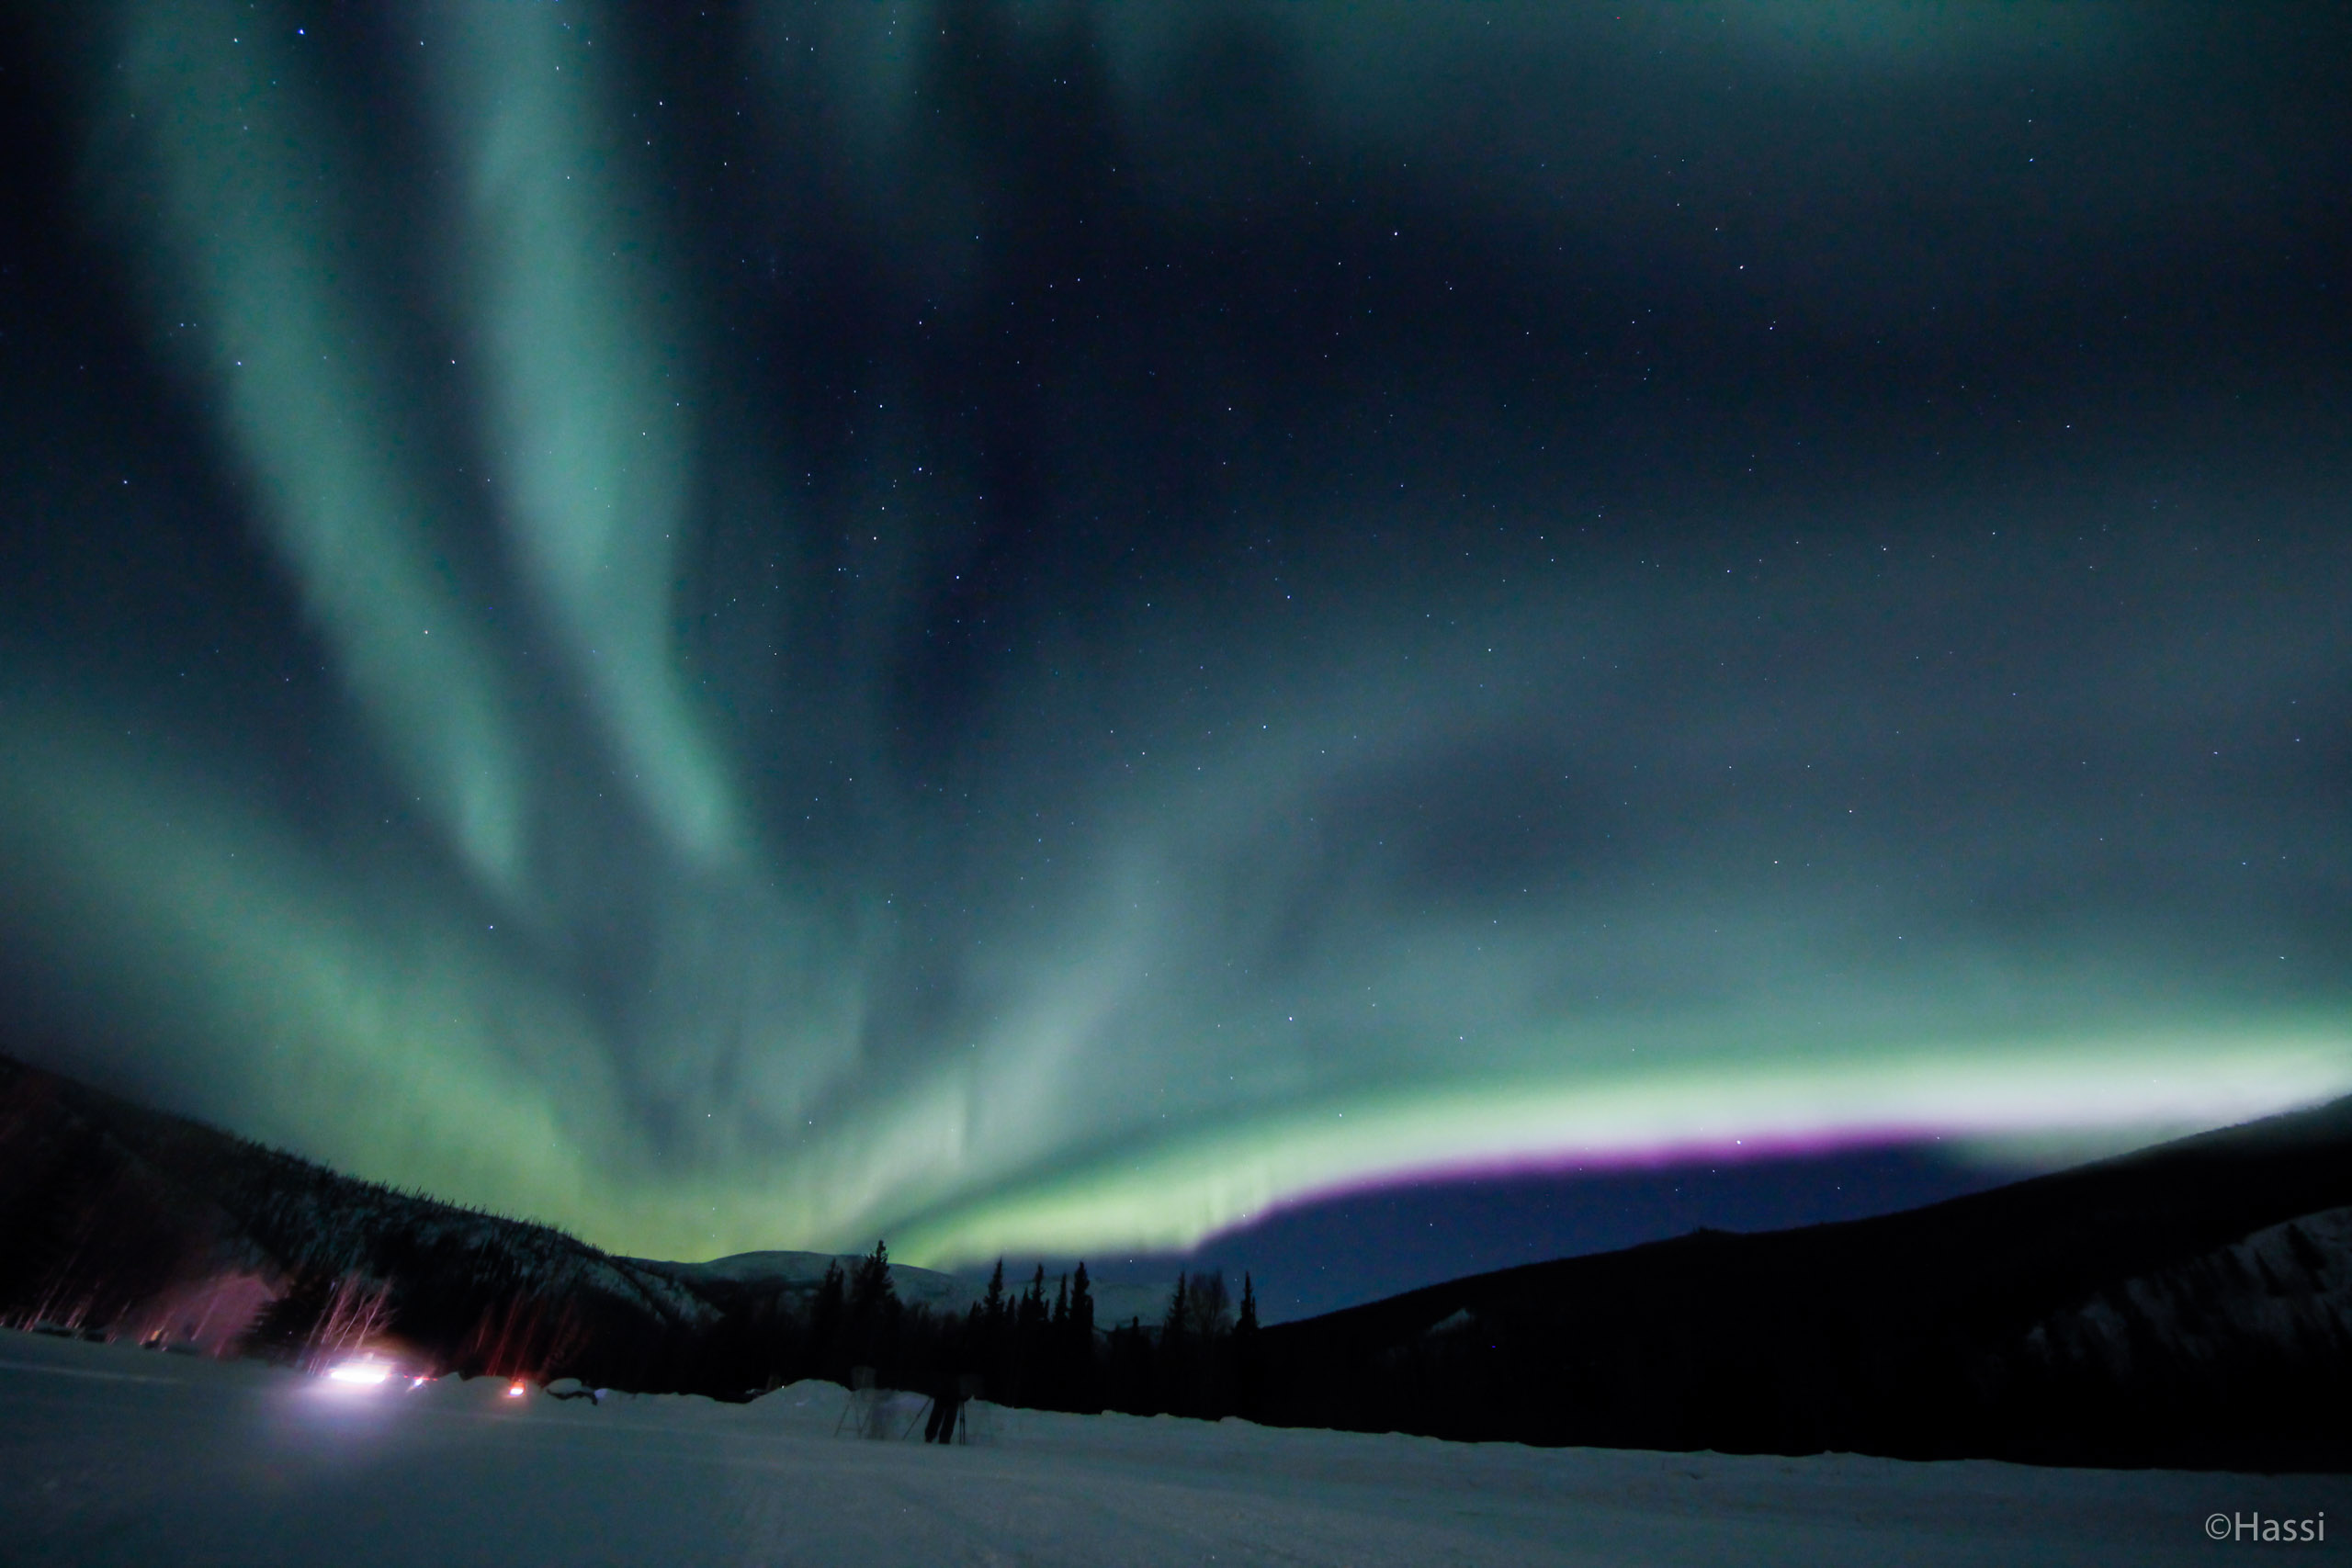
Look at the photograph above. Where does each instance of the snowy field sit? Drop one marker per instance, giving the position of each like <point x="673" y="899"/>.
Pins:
<point x="116" y="1456"/>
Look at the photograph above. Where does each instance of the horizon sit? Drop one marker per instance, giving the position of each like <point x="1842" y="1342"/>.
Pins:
<point x="1530" y="1220"/>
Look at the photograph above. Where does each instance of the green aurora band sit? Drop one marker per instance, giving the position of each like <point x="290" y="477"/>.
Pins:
<point x="639" y="960"/>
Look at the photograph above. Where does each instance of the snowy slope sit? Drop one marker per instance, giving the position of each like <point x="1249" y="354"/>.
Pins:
<point x="2283" y="1293"/>
<point x="113" y="1456"/>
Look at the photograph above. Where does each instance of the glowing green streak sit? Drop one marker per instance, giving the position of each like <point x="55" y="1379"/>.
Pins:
<point x="253" y="229"/>
<point x="383" y="1035"/>
<point x="375" y="1040"/>
<point x="376" y="1027"/>
<point x="386" y="1037"/>
<point x="592" y="436"/>
<point x="1174" y="1194"/>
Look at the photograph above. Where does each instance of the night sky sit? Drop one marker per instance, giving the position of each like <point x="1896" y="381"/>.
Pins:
<point x="1057" y="629"/>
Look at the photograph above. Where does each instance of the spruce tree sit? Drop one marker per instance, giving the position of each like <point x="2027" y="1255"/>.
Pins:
<point x="1081" y="1382"/>
<point x="1174" y="1358"/>
<point x="1211" y="1310"/>
<point x="991" y="1354"/>
<point x="992" y="1304"/>
<point x="1054" y="1379"/>
<point x="874" y="1311"/>
<point x="1248" y="1376"/>
<point x="826" y="1351"/>
<point x="1033" y="1303"/>
<point x="871" y="1287"/>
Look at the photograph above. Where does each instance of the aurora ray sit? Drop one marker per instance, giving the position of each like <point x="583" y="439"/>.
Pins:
<point x="1048" y="628"/>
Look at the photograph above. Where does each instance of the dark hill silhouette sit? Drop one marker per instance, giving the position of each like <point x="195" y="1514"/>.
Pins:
<point x="2187" y="1304"/>
<point x="122" y="1222"/>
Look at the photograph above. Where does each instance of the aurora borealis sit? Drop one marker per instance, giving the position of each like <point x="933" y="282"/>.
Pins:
<point x="1042" y="627"/>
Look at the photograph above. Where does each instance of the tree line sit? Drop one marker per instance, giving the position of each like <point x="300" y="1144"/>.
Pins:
<point x="1038" y="1348"/>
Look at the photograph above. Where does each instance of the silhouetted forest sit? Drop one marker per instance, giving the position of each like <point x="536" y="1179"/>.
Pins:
<point x="1038" y="1346"/>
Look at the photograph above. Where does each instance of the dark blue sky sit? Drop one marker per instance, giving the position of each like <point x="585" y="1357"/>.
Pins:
<point x="1317" y="1257"/>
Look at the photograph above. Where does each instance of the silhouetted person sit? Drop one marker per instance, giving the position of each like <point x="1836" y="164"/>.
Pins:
<point x="946" y="1406"/>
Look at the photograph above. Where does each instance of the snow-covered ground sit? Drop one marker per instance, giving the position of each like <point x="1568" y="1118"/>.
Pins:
<point x="115" y="1456"/>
